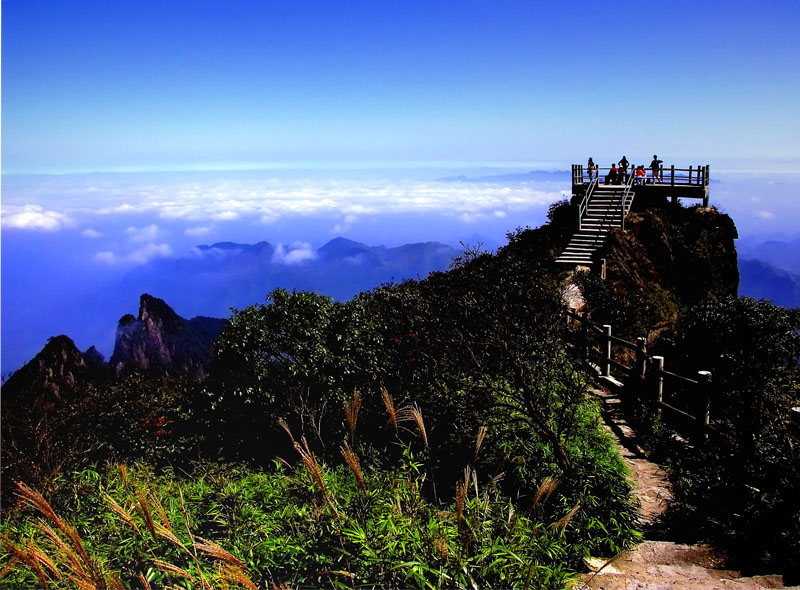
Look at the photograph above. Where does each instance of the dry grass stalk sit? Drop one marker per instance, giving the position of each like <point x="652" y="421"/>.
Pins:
<point x="548" y="487"/>
<point x="352" y="462"/>
<point x="461" y="495"/>
<point x="389" y="403"/>
<point x="161" y="513"/>
<point x="351" y="409"/>
<point x="481" y="435"/>
<point x="142" y="507"/>
<point x="121" y="512"/>
<point x="173" y="569"/>
<point x="214" y="550"/>
<point x="167" y="534"/>
<point x="143" y="581"/>
<point x="416" y="414"/>
<point x="237" y="576"/>
<point x="440" y="546"/>
<point x="564" y="521"/>
<point x="82" y="570"/>
<point x="37" y="501"/>
<point x="123" y="471"/>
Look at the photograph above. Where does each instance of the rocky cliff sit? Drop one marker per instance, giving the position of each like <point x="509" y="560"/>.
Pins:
<point x="160" y="341"/>
<point x="689" y="252"/>
<point x="666" y="259"/>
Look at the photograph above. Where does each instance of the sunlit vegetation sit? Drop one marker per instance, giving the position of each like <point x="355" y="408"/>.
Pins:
<point x="427" y="434"/>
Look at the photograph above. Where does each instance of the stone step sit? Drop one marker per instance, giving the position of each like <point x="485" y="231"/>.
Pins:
<point x="661" y="564"/>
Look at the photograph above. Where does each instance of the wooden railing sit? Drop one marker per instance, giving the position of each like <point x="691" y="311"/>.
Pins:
<point x="670" y="176"/>
<point x="618" y="358"/>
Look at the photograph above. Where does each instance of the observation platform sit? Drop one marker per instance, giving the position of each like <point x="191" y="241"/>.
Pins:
<point x="604" y="202"/>
<point x="676" y="183"/>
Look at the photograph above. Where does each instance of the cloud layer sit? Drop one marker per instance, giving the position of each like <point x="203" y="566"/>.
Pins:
<point x="220" y="200"/>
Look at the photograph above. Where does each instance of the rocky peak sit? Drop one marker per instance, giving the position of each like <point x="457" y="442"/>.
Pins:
<point x="59" y="372"/>
<point x="160" y="341"/>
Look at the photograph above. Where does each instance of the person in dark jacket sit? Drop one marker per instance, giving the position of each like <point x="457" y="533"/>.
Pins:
<point x="655" y="166"/>
<point x="623" y="168"/>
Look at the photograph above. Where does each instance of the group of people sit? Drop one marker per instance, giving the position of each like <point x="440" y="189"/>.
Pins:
<point x="620" y="175"/>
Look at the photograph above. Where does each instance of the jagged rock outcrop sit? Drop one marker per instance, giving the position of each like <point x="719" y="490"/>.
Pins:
<point x="58" y="373"/>
<point x="160" y="341"/>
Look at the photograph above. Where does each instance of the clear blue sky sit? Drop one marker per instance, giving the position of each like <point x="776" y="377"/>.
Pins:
<point x="102" y="85"/>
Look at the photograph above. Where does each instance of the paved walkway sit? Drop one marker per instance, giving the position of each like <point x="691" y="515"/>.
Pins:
<point x="658" y="565"/>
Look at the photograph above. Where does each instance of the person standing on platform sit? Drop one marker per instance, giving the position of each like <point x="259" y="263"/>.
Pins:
<point x="623" y="169"/>
<point x="612" y="177"/>
<point x="655" y="166"/>
<point x="590" y="167"/>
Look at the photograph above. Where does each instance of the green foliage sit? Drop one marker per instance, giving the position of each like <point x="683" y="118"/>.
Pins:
<point x="473" y="455"/>
<point x="739" y="490"/>
<point x="282" y="532"/>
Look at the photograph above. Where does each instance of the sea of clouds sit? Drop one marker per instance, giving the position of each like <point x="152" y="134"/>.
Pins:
<point x="67" y="239"/>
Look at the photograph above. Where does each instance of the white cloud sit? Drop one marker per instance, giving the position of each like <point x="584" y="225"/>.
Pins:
<point x="137" y="257"/>
<point x="261" y="199"/>
<point x="225" y="216"/>
<point x="142" y="234"/>
<point x="197" y="231"/>
<point x="765" y="214"/>
<point x="500" y="214"/>
<point x="35" y="217"/>
<point x="293" y="254"/>
<point x="92" y="233"/>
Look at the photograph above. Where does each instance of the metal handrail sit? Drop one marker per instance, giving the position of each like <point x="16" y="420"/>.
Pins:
<point x="585" y="201"/>
<point x="625" y="206"/>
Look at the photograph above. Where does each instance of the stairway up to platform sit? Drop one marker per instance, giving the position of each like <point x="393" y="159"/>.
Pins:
<point x="604" y="212"/>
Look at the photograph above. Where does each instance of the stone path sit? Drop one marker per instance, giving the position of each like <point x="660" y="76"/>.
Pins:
<point x="658" y="565"/>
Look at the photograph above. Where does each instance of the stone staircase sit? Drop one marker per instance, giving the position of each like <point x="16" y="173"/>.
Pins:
<point x="603" y="213"/>
<point x="661" y="565"/>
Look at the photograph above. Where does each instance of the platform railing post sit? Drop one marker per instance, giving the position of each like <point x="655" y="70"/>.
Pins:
<point x="607" y="355"/>
<point x="659" y="363"/>
<point x="704" y="383"/>
<point x="641" y="356"/>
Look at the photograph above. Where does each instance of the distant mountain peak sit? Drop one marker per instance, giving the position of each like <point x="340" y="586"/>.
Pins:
<point x="161" y="341"/>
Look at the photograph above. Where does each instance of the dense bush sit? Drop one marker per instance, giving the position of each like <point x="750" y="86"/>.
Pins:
<point x="740" y="488"/>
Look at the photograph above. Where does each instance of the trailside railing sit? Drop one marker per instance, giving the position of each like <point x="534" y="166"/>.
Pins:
<point x="676" y="398"/>
<point x="585" y="202"/>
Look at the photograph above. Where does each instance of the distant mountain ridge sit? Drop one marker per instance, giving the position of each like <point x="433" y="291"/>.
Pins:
<point x="213" y="278"/>
<point x="761" y="280"/>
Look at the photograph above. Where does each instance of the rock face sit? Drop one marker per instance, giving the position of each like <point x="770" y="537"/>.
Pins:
<point x="160" y="341"/>
<point x="674" y="254"/>
<point x="58" y="373"/>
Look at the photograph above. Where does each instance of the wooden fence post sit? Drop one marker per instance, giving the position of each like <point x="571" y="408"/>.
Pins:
<point x="607" y="359"/>
<point x="641" y="356"/>
<point x="659" y="362"/>
<point x="704" y="383"/>
<point x="585" y="336"/>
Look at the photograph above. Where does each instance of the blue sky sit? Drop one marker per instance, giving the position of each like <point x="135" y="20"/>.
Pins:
<point x="98" y="85"/>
